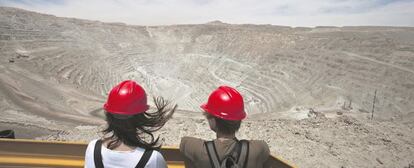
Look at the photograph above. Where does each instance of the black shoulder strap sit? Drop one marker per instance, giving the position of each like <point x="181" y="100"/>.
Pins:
<point x="235" y="152"/>
<point x="97" y="157"/>
<point x="144" y="159"/>
<point x="244" y="153"/>
<point x="212" y="154"/>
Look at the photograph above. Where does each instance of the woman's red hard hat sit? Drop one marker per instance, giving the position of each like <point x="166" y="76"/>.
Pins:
<point x="225" y="103"/>
<point x="127" y="98"/>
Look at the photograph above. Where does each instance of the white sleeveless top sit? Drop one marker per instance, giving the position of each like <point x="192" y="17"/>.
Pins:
<point x="122" y="159"/>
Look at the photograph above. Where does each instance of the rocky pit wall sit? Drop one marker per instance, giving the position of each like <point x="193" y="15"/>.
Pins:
<point x="308" y="91"/>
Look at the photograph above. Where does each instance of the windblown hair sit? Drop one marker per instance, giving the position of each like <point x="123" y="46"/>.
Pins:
<point x="224" y="126"/>
<point x="137" y="130"/>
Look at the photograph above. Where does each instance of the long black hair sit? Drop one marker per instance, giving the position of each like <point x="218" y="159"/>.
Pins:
<point x="137" y="130"/>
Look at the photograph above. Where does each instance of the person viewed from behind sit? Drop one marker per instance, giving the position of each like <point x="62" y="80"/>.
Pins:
<point x="128" y="139"/>
<point x="224" y="112"/>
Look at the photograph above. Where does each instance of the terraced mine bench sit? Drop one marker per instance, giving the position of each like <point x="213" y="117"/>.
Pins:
<point x="35" y="153"/>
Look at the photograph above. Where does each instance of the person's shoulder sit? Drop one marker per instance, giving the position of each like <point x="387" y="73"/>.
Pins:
<point x="259" y="150"/>
<point x="156" y="154"/>
<point x="190" y="144"/>
<point x="191" y="141"/>
<point x="258" y="142"/>
<point x="156" y="160"/>
<point x="91" y="144"/>
<point x="89" y="153"/>
<point x="259" y="145"/>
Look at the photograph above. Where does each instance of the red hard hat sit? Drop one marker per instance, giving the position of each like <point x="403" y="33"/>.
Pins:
<point x="225" y="103"/>
<point x="126" y="98"/>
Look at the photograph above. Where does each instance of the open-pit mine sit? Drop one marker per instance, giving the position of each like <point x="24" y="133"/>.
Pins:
<point x="320" y="97"/>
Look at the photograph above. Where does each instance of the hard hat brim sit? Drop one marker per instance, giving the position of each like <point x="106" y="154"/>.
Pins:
<point x="216" y="114"/>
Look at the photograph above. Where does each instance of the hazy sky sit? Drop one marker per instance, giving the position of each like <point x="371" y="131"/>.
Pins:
<point x="276" y="12"/>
